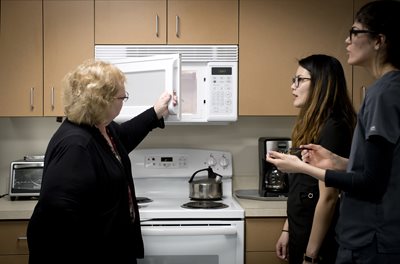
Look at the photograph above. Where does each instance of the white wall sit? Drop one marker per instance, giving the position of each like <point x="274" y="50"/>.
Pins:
<point x="29" y="136"/>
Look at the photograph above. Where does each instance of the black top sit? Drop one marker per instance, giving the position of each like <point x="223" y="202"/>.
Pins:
<point x="82" y="215"/>
<point x="304" y="194"/>
<point x="370" y="203"/>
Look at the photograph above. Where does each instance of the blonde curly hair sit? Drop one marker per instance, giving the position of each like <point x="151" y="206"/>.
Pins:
<point x="89" y="91"/>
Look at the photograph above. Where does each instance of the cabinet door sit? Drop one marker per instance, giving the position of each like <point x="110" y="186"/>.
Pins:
<point x="14" y="259"/>
<point x="21" y="58"/>
<point x="68" y="41"/>
<point x="203" y="22"/>
<point x="273" y="35"/>
<point x="130" y="22"/>
<point x="263" y="258"/>
<point x="361" y="78"/>
<point x="261" y="237"/>
<point x="13" y="238"/>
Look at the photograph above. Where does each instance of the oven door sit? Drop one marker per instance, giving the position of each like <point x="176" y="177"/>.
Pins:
<point x="25" y="179"/>
<point x="195" y="242"/>
<point x="146" y="79"/>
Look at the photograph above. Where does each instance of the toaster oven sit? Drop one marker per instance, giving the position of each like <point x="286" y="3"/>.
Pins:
<point x="26" y="177"/>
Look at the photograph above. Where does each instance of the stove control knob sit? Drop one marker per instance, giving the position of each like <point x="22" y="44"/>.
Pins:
<point x="212" y="161"/>
<point x="223" y="162"/>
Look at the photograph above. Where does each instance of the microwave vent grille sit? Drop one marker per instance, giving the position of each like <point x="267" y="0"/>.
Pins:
<point x="189" y="53"/>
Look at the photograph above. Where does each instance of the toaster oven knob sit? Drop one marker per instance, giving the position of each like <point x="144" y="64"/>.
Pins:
<point x="223" y="162"/>
<point x="211" y="161"/>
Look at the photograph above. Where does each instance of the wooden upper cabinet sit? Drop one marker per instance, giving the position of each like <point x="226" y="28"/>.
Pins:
<point x="273" y="35"/>
<point x="130" y="22"/>
<point x="362" y="79"/>
<point x="166" y="22"/>
<point x="21" y="58"/>
<point x="203" y="22"/>
<point x="68" y="41"/>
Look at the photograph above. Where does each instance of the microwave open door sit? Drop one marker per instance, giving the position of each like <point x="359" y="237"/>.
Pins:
<point x="146" y="79"/>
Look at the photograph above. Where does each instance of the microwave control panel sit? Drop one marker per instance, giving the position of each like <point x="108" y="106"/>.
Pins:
<point x="223" y="92"/>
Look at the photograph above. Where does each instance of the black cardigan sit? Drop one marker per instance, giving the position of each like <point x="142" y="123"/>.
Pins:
<point x="82" y="215"/>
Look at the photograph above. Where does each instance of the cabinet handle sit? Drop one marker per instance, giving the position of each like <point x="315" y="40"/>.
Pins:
<point x="32" y="101"/>
<point x="22" y="238"/>
<point x="177" y="26"/>
<point x="157" y="26"/>
<point x="52" y="98"/>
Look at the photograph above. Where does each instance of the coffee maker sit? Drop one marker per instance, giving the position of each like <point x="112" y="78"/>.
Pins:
<point x="272" y="182"/>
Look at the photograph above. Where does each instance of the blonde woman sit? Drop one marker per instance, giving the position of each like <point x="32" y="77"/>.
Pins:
<point x="87" y="210"/>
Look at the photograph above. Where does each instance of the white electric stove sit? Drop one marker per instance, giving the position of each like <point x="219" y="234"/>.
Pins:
<point x="172" y="233"/>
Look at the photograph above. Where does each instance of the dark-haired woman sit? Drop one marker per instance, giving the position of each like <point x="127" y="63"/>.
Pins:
<point x="368" y="229"/>
<point x="326" y="117"/>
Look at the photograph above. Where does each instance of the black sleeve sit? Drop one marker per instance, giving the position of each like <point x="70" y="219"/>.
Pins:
<point x="132" y="132"/>
<point x="372" y="183"/>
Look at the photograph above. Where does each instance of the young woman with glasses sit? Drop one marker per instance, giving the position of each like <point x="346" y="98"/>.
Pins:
<point x="368" y="229"/>
<point x="326" y="117"/>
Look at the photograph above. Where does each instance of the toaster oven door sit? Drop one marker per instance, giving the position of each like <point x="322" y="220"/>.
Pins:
<point x="26" y="179"/>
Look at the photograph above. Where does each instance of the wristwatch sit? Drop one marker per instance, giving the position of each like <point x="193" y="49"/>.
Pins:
<point x="310" y="259"/>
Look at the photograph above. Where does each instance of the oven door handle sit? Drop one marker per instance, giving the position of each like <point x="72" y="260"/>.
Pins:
<point x="188" y="231"/>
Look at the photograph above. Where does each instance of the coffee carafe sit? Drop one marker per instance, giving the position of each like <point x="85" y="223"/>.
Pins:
<point x="272" y="182"/>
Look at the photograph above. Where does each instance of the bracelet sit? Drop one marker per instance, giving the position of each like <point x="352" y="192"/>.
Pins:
<point x="284" y="230"/>
<point x="310" y="259"/>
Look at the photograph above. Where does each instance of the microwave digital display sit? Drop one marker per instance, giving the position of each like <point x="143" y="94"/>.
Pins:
<point x="221" y="71"/>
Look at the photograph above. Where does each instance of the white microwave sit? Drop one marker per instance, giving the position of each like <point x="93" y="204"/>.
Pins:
<point x="203" y="77"/>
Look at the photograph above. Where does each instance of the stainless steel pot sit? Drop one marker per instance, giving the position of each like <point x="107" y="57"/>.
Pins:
<point x="206" y="188"/>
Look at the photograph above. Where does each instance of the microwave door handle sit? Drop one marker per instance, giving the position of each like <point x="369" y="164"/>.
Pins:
<point x="173" y="83"/>
<point x="171" y="106"/>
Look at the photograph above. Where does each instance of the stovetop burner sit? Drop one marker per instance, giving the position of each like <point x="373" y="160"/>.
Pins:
<point x="143" y="200"/>
<point x="204" y="205"/>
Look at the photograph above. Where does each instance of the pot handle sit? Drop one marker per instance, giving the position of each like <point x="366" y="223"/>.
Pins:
<point x="206" y="169"/>
<point x="211" y="174"/>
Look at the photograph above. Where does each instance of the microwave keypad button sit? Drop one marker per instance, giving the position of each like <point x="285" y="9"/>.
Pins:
<point x="221" y="94"/>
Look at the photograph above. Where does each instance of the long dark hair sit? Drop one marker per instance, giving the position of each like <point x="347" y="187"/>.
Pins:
<point x="382" y="17"/>
<point x="328" y="96"/>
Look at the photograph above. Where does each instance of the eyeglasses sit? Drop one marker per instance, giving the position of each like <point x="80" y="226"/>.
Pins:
<point x="354" y="32"/>
<point x="123" y="98"/>
<point x="298" y="79"/>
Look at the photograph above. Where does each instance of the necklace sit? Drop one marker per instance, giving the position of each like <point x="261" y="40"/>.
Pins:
<point x="113" y="147"/>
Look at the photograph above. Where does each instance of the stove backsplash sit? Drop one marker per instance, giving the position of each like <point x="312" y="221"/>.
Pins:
<point x="29" y="136"/>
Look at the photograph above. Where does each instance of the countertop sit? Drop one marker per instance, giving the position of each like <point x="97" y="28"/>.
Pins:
<point x="22" y="209"/>
<point x="257" y="208"/>
<point x="16" y="210"/>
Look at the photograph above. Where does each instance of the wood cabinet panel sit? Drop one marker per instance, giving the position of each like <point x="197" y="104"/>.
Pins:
<point x="166" y="22"/>
<point x="130" y="22"/>
<point x="40" y="42"/>
<point x="203" y="22"/>
<point x="273" y="35"/>
<point x="263" y="258"/>
<point x="14" y="259"/>
<point x="68" y="41"/>
<point x="261" y="234"/>
<point x="13" y="238"/>
<point x="21" y="58"/>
